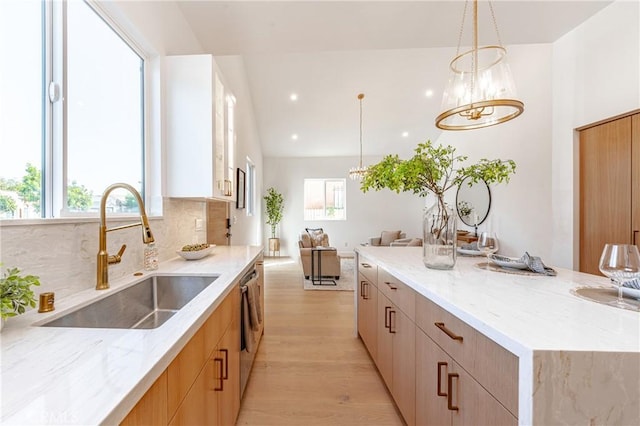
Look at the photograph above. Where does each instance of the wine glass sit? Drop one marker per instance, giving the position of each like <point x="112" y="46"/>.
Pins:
<point x="488" y="244"/>
<point x="620" y="262"/>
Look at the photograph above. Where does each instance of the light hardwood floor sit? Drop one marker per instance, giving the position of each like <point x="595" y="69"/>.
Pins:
<point x="310" y="368"/>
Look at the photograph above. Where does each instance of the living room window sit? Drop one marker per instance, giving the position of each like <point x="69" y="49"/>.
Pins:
<point x="72" y="114"/>
<point x="325" y="199"/>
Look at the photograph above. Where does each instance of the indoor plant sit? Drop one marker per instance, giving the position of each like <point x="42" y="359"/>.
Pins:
<point x="435" y="169"/>
<point x="275" y="207"/>
<point x="15" y="293"/>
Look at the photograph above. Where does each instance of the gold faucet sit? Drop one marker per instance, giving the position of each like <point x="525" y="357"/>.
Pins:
<point x="104" y="259"/>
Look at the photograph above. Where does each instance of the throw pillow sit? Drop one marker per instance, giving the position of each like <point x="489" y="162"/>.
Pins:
<point x="317" y="236"/>
<point x="387" y="237"/>
<point x="416" y="242"/>
<point x="305" y="240"/>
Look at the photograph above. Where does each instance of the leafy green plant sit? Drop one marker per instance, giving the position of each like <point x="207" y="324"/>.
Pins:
<point x="15" y="293"/>
<point x="433" y="169"/>
<point x="275" y="207"/>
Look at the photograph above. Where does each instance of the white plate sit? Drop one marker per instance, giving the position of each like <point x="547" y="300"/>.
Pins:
<point x="507" y="262"/>
<point x="195" y="255"/>
<point x="631" y="292"/>
<point x="470" y="252"/>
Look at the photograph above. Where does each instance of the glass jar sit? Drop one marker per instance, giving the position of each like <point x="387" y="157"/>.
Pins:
<point x="150" y="257"/>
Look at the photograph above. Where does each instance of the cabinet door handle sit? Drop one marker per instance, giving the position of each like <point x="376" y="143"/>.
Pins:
<point x="394" y="316"/>
<point x="450" y="405"/>
<point x="226" y="363"/>
<point x="386" y="317"/>
<point x="438" y="390"/>
<point x="362" y="289"/>
<point x="448" y="332"/>
<point x="391" y="286"/>
<point x="635" y="241"/>
<point x="365" y="265"/>
<point x="219" y="361"/>
<point x="366" y="293"/>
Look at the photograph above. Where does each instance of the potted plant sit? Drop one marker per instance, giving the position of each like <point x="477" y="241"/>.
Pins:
<point x="275" y="206"/>
<point x="16" y="294"/>
<point x="435" y="169"/>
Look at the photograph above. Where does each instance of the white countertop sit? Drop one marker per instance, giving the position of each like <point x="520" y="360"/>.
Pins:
<point x="521" y="313"/>
<point x="95" y="376"/>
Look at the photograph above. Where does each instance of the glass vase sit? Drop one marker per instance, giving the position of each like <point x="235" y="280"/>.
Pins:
<point x="439" y="229"/>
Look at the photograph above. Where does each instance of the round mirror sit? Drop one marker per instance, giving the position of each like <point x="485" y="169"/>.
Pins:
<point x="473" y="201"/>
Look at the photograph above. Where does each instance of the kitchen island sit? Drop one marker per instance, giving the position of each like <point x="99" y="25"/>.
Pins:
<point x="95" y="376"/>
<point x="575" y="361"/>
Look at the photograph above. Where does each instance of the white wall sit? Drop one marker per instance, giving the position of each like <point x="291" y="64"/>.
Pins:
<point x="596" y="75"/>
<point x="367" y="214"/>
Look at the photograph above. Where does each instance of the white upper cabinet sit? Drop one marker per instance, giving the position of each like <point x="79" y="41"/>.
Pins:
<point x="200" y="130"/>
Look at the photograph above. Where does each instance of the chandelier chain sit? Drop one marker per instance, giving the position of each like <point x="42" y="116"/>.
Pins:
<point x="495" y="24"/>
<point x="360" y="98"/>
<point x="464" y="16"/>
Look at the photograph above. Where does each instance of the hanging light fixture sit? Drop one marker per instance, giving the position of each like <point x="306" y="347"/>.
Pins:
<point x="480" y="92"/>
<point x="357" y="173"/>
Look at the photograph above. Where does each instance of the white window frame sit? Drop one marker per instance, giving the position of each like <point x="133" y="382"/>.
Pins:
<point x="325" y="217"/>
<point x="251" y="188"/>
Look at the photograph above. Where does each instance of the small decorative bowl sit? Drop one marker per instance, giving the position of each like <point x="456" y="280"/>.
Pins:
<point x="196" y="254"/>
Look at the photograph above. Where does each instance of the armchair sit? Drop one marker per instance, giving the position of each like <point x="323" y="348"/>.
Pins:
<point x="329" y="257"/>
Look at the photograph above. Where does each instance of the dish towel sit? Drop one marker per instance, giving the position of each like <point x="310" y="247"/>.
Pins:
<point x="635" y="284"/>
<point x="534" y="263"/>
<point x="248" y="338"/>
<point x="253" y="296"/>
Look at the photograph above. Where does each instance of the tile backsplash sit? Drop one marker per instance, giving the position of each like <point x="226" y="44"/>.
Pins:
<point x="63" y="255"/>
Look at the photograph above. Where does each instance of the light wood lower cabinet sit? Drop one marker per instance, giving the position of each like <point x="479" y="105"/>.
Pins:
<point x="367" y="315"/>
<point x="201" y="386"/>
<point x="396" y="355"/>
<point x="446" y="394"/>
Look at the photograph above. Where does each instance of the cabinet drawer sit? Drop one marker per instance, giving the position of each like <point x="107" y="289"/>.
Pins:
<point x="495" y="368"/>
<point x="369" y="269"/>
<point x="399" y="293"/>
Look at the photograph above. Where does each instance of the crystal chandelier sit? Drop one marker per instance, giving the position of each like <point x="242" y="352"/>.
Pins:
<point x="480" y="91"/>
<point x="357" y="173"/>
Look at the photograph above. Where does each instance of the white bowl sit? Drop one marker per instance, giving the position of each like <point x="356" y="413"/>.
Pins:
<point x="508" y="262"/>
<point x="195" y="255"/>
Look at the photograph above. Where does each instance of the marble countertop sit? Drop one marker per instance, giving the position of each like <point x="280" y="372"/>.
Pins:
<point x="521" y="313"/>
<point x="95" y="376"/>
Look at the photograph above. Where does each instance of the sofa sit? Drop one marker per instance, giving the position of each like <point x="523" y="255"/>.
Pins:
<point x="329" y="258"/>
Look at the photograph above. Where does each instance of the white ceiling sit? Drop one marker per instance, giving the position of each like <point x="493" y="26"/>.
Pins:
<point x="327" y="52"/>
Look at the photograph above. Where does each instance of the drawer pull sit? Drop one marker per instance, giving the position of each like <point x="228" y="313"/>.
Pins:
<point x="439" y="391"/>
<point x="450" y="405"/>
<point x="448" y="332"/>
<point x="394" y="315"/>
<point x="226" y="364"/>
<point x="387" y="317"/>
<point x="635" y="234"/>
<point x="391" y="286"/>
<point x="219" y="360"/>
<point x="365" y="265"/>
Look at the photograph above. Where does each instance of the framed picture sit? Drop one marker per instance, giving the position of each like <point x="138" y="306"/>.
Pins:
<point x="240" y="201"/>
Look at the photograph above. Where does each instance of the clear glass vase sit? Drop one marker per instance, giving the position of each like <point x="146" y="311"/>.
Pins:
<point x="439" y="229"/>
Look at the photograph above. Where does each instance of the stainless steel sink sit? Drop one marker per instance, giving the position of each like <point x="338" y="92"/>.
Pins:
<point x="147" y="304"/>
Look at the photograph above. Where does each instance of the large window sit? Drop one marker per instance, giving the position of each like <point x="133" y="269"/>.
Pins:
<point x="71" y="111"/>
<point x="325" y="199"/>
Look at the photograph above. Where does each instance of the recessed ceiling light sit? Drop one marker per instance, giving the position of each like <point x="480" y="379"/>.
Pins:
<point x="293" y="97"/>
<point x="294" y="136"/>
<point x="405" y="134"/>
<point x="428" y="93"/>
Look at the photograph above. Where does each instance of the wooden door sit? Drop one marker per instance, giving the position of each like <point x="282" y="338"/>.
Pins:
<point x="152" y="407"/>
<point x="367" y="315"/>
<point x="404" y="364"/>
<point x="199" y="406"/>
<point x="218" y="223"/>
<point x="385" y="340"/>
<point x="605" y="189"/>
<point x="635" y="175"/>
<point x="432" y="367"/>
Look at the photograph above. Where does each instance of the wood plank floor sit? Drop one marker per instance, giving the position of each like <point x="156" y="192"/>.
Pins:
<point x="310" y="368"/>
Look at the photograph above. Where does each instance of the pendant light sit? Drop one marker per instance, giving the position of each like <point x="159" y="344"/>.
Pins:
<point x="480" y="91"/>
<point x="357" y="173"/>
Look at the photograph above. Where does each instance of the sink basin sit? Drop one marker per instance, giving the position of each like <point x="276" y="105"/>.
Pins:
<point x="145" y="305"/>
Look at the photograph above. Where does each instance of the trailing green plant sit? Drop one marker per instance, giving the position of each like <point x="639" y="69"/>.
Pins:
<point x="275" y="207"/>
<point x="433" y="169"/>
<point x="15" y="293"/>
